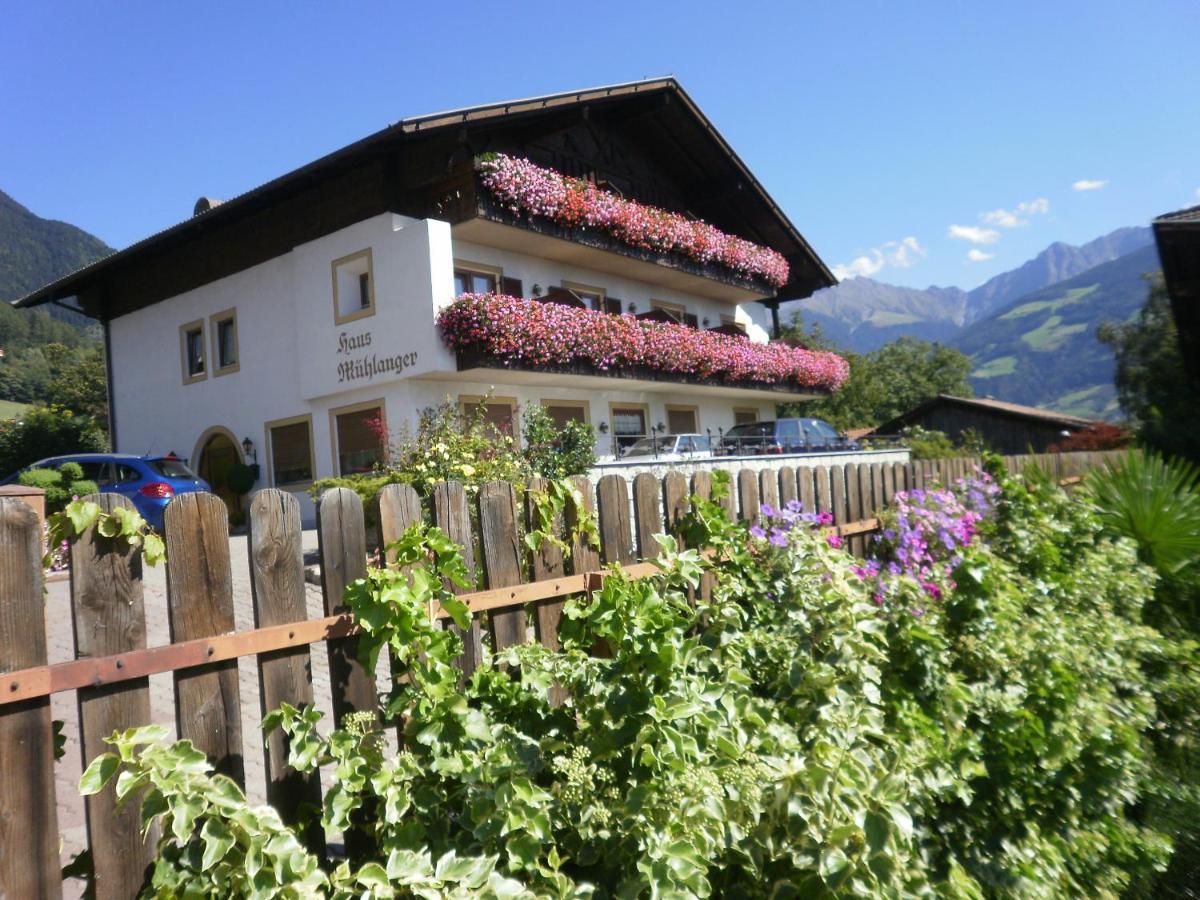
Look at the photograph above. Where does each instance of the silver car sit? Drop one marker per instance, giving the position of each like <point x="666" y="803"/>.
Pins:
<point x="671" y="448"/>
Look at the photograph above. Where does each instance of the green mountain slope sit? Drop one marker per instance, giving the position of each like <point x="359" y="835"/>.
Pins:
<point x="1042" y="349"/>
<point x="34" y="251"/>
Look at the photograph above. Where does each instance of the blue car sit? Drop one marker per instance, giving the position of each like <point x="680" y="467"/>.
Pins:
<point x="150" y="482"/>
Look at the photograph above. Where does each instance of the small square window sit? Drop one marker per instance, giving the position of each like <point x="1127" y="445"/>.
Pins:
<point x="290" y="442"/>
<point x="225" y="342"/>
<point x="191" y="348"/>
<point x="353" y="287"/>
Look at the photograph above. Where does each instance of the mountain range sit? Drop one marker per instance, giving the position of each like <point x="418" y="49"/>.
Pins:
<point x="862" y="314"/>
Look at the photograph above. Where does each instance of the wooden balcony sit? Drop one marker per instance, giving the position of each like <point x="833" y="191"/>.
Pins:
<point x="476" y="217"/>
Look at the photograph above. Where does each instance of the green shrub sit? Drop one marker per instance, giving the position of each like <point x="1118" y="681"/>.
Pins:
<point x="785" y="737"/>
<point x="47" y="431"/>
<point x="240" y="479"/>
<point x="554" y="452"/>
<point x="59" y="490"/>
<point x="928" y="444"/>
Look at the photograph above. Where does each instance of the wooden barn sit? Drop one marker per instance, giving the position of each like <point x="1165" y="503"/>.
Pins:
<point x="1005" y="427"/>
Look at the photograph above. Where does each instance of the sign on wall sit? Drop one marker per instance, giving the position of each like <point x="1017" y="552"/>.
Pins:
<point x="357" y="363"/>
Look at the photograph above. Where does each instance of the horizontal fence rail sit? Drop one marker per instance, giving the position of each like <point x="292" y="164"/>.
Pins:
<point x="520" y="597"/>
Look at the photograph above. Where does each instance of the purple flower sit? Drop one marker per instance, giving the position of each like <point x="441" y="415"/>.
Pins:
<point x="756" y="531"/>
<point x="767" y="510"/>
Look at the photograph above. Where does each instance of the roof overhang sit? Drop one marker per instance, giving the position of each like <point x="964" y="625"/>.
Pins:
<point x="368" y="176"/>
<point x="1178" y="237"/>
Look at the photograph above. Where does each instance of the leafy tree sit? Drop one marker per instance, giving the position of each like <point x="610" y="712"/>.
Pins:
<point x="80" y="381"/>
<point x="47" y="431"/>
<point x="1152" y="383"/>
<point x="884" y="383"/>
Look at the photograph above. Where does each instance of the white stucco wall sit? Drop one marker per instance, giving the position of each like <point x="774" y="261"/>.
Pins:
<point x="292" y="353"/>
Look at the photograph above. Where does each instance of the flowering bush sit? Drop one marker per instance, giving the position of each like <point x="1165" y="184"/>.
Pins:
<point x="525" y="333"/>
<point x="575" y="203"/>
<point x="922" y="540"/>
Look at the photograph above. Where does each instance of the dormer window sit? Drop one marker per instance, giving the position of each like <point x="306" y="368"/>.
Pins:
<point x="353" y="287"/>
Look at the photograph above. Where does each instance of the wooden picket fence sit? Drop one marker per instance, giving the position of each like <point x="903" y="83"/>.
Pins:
<point x="109" y="674"/>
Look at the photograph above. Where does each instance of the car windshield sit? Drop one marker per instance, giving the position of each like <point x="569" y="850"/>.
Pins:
<point x="170" y="468"/>
<point x="824" y="428"/>
<point x="751" y="429"/>
<point x="649" y="446"/>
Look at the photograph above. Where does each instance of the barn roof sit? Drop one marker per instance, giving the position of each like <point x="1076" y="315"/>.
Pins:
<point x="987" y="404"/>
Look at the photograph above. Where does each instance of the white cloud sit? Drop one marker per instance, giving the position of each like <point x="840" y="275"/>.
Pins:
<point x="974" y="234"/>
<point x="1006" y="218"/>
<point x="977" y="255"/>
<point x="901" y="254"/>
<point x="1085" y="185"/>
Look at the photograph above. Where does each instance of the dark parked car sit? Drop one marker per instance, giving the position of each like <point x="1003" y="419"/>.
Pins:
<point x="150" y="482"/>
<point x="785" y="436"/>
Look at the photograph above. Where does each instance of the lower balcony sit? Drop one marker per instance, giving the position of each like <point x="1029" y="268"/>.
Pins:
<point x="551" y="344"/>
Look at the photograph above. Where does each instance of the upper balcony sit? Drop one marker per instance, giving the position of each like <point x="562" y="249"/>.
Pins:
<point x="547" y="342"/>
<point x="511" y="204"/>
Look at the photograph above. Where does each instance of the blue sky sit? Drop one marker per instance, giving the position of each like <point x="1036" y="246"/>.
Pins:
<point x="901" y="138"/>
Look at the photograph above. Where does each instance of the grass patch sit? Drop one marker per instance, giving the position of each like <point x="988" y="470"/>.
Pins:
<point x="1051" y="334"/>
<point x="1001" y="365"/>
<point x="1026" y="309"/>
<point x="10" y="409"/>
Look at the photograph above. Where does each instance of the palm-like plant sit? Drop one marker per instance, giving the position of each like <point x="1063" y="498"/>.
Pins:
<point x="1154" y="502"/>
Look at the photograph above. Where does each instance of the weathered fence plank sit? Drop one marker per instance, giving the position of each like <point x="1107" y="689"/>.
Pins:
<point x="787" y="485"/>
<point x="838" y="503"/>
<point x="453" y="516"/>
<point x="616" y="543"/>
<point x="29" y="864"/>
<point x="545" y="563"/>
<point x="675" y="501"/>
<point x="106" y="602"/>
<point x="585" y="557"/>
<point x="208" y="707"/>
<point x="806" y="491"/>
<point x="284" y="676"/>
<point x="341" y="533"/>
<point x="747" y="489"/>
<point x="768" y="488"/>
<point x="397" y="508"/>
<point x="648" y="511"/>
<point x="821" y="489"/>
<point x="501" y="544"/>
<point x="854" y="506"/>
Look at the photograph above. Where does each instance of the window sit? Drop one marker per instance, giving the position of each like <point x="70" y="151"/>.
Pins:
<point x="593" y="296"/>
<point x="225" y="342"/>
<point x="290" y="451"/>
<point x="475" y="278"/>
<point x="353" y="287"/>
<point x="191" y="347"/>
<point x="499" y="412"/>
<point x="564" y="411"/>
<point x="358" y="435"/>
<point x="170" y="467"/>
<point x="682" y="419"/>
<point x="628" y="423"/>
<point x="676" y="310"/>
<point x="744" y="416"/>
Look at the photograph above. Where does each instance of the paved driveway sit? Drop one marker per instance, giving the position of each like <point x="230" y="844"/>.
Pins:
<point x="61" y="648"/>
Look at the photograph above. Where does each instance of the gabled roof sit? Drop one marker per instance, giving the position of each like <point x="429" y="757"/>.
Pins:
<point x="379" y="159"/>
<point x="1001" y="407"/>
<point x="1180" y="217"/>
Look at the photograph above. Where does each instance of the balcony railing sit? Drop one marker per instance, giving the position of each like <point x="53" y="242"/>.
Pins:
<point x="494" y="331"/>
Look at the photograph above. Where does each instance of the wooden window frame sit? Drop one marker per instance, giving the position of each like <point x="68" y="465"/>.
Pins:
<point x="312" y="451"/>
<point x="184" y="331"/>
<point x="615" y="405"/>
<point x="745" y="409"/>
<point x="473" y="400"/>
<point x="583" y="405"/>
<point x="358" y="313"/>
<point x="675" y="309"/>
<point x="214" y="327"/>
<point x="336" y="411"/>
<point x="578" y="286"/>
<point x="683" y="407"/>
<point x="465" y="265"/>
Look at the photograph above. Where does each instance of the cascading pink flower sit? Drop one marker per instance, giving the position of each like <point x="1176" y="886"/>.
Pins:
<point x="528" y="189"/>
<point x="519" y="332"/>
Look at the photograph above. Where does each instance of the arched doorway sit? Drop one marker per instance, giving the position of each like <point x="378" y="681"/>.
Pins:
<point x="217" y="452"/>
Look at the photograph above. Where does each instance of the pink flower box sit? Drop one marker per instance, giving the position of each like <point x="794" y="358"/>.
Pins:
<point x="525" y="188"/>
<point x="529" y="334"/>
